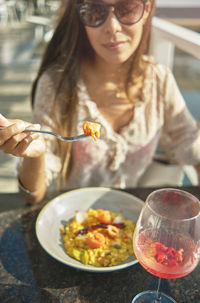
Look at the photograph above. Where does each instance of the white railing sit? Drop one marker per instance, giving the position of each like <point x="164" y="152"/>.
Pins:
<point x="177" y="3"/>
<point x="167" y="35"/>
<point x="41" y="23"/>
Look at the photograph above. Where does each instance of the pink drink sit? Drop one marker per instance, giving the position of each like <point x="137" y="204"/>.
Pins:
<point x="166" y="254"/>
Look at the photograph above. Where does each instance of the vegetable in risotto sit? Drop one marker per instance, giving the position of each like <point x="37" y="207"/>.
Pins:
<point x="98" y="237"/>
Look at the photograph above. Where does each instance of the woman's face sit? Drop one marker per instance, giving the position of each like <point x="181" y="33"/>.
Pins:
<point x="113" y="41"/>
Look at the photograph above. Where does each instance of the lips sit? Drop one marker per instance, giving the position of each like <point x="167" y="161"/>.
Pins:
<point x="114" y="45"/>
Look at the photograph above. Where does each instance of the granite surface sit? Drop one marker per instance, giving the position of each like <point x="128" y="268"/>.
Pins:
<point x="28" y="274"/>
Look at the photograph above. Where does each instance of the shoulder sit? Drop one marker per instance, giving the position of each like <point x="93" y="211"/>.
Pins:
<point x="45" y="91"/>
<point x="48" y="78"/>
<point x="154" y="68"/>
<point x="159" y="75"/>
<point x="166" y="86"/>
<point x="47" y="84"/>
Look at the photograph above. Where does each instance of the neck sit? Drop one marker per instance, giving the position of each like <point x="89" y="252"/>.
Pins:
<point x="113" y="72"/>
<point x="110" y="77"/>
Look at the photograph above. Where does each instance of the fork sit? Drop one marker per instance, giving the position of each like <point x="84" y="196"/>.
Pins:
<point x="66" y="139"/>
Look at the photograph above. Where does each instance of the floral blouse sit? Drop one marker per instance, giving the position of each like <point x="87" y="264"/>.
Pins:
<point x="120" y="159"/>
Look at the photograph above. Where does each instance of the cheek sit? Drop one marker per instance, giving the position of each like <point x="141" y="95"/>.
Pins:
<point x="136" y="35"/>
<point x="136" y="32"/>
<point x="92" y="36"/>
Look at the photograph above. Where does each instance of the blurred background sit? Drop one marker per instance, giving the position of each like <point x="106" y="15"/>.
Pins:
<point x="26" y="27"/>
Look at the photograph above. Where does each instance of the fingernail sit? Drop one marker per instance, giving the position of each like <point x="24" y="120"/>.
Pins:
<point x="37" y="126"/>
<point x="3" y="118"/>
<point x="20" y="125"/>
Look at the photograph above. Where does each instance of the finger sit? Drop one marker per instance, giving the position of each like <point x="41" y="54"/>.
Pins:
<point x="29" y="147"/>
<point x="10" y="145"/>
<point x="33" y="127"/>
<point x="35" y="136"/>
<point x="21" y="148"/>
<point x="3" y="121"/>
<point x="10" y="131"/>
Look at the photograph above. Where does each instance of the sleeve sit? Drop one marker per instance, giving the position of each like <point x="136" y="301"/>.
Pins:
<point x="181" y="133"/>
<point x="43" y="114"/>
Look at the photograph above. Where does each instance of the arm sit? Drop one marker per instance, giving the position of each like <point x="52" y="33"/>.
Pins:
<point x="39" y="164"/>
<point x="31" y="148"/>
<point x="48" y="165"/>
<point x="36" y="174"/>
<point x="181" y="132"/>
<point x="32" y="179"/>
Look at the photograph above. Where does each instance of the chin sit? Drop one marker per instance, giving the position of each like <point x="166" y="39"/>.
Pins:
<point x="116" y="60"/>
<point x="117" y="57"/>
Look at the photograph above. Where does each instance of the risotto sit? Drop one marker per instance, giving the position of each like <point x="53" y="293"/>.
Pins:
<point x="98" y="237"/>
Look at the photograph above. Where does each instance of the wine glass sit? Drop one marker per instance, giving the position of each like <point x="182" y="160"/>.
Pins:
<point x="166" y="239"/>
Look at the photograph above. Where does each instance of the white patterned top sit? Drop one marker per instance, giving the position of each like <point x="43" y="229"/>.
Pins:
<point x="120" y="159"/>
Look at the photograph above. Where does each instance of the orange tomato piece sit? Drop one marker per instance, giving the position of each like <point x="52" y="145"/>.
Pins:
<point x="91" y="129"/>
<point x="104" y="216"/>
<point x="113" y="232"/>
<point x="95" y="240"/>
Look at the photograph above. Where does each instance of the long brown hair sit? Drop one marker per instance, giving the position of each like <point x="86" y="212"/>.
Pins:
<point x="65" y="52"/>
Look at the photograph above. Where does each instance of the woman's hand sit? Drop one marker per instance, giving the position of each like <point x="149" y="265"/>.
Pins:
<point x="14" y="141"/>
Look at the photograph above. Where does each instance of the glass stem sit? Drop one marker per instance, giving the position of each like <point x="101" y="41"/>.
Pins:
<point x="158" y="299"/>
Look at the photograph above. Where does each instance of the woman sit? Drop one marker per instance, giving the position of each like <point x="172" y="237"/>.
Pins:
<point x="95" y="69"/>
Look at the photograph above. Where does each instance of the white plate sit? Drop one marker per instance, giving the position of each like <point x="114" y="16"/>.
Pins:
<point x="63" y="207"/>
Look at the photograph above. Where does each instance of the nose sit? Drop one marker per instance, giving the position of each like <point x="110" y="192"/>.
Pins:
<point x="112" y="23"/>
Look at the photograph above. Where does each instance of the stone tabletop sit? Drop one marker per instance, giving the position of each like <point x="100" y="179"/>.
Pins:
<point x="29" y="274"/>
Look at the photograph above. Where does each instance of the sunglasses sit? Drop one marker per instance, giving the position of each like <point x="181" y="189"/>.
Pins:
<point x="127" y="12"/>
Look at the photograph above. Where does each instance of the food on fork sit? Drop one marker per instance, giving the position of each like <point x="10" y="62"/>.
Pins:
<point x="92" y="129"/>
<point x="98" y="237"/>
